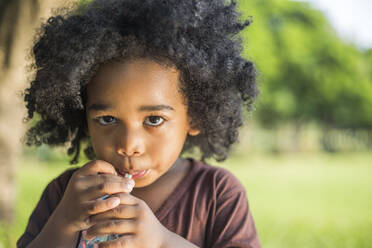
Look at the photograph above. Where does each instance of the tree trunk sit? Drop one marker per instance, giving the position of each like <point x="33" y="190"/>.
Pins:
<point x="18" y="20"/>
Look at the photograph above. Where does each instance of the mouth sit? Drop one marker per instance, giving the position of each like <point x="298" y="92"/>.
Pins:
<point x="135" y="174"/>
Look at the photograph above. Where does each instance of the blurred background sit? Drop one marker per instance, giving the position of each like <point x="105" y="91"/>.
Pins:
<point x="304" y="155"/>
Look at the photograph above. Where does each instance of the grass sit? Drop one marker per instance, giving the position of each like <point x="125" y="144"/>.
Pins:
<point x="309" y="200"/>
<point x="297" y="200"/>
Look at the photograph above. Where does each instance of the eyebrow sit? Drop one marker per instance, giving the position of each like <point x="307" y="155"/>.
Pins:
<point x="155" y="107"/>
<point x="99" y="107"/>
<point x="103" y="107"/>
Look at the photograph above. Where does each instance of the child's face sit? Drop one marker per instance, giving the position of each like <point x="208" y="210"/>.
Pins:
<point x="137" y="118"/>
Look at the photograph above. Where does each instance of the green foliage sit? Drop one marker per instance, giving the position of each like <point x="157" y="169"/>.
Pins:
<point x="368" y="62"/>
<point x="307" y="72"/>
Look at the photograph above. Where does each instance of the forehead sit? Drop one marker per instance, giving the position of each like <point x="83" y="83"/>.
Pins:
<point x="135" y="81"/>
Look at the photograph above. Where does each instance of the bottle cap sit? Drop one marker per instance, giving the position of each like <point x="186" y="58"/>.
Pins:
<point x="127" y="175"/>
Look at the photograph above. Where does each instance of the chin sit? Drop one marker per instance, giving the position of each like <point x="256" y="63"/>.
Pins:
<point x="139" y="185"/>
<point x="144" y="182"/>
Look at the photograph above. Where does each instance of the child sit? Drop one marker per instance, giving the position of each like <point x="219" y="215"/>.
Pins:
<point x="139" y="83"/>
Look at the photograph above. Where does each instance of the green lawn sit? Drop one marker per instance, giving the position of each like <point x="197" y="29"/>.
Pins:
<point x="299" y="200"/>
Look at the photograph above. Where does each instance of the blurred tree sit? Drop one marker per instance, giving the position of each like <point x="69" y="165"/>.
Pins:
<point x="308" y="72"/>
<point x="18" y="19"/>
<point x="368" y="57"/>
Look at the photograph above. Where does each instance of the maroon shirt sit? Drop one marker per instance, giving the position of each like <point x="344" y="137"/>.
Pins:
<point x="209" y="208"/>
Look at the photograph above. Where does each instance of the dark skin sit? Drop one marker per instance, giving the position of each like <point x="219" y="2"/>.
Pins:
<point x="164" y="186"/>
<point x="142" y="134"/>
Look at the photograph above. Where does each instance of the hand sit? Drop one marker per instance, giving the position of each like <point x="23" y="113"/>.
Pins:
<point x="134" y="220"/>
<point x="84" y="191"/>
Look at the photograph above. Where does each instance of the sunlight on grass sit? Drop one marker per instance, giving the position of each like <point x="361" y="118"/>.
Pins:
<point x="309" y="200"/>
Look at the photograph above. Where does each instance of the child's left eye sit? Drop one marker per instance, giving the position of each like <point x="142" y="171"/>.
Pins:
<point x="154" y="121"/>
<point x="106" y="120"/>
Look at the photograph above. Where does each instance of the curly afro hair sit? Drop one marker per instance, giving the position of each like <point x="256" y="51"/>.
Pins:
<point x="198" y="37"/>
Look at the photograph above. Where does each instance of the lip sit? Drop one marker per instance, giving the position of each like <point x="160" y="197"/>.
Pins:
<point x="135" y="174"/>
<point x="139" y="174"/>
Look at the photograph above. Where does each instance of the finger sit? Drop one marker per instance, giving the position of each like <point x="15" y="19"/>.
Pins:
<point x="119" y="212"/>
<point x="116" y="226"/>
<point x="128" y="199"/>
<point x="97" y="166"/>
<point x="108" y="188"/>
<point x="99" y="206"/>
<point x="126" y="241"/>
<point x="91" y="180"/>
<point x="91" y="183"/>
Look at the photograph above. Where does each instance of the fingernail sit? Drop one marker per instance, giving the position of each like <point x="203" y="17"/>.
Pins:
<point x="129" y="182"/>
<point x="128" y="187"/>
<point x="114" y="201"/>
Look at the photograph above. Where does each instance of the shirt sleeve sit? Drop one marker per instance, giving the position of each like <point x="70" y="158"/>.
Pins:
<point x="44" y="208"/>
<point x="232" y="224"/>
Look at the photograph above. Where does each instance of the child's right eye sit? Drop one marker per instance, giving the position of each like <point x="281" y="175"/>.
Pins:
<point x="105" y="120"/>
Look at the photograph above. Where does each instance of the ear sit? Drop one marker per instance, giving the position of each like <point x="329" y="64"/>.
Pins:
<point x="194" y="132"/>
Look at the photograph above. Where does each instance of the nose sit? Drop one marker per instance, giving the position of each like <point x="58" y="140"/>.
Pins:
<point x="130" y="142"/>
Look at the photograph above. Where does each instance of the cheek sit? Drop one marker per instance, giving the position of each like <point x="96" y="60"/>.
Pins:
<point x="168" y="142"/>
<point x="101" y="143"/>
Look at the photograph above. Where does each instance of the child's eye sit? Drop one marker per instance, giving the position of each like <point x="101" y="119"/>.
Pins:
<point x="154" y="121"/>
<point x="105" y="120"/>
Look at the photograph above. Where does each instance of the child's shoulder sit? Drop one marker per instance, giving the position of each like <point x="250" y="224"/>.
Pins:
<point x="59" y="183"/>
<point x="65" y="176"/>
<point x="217" y="178"/>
